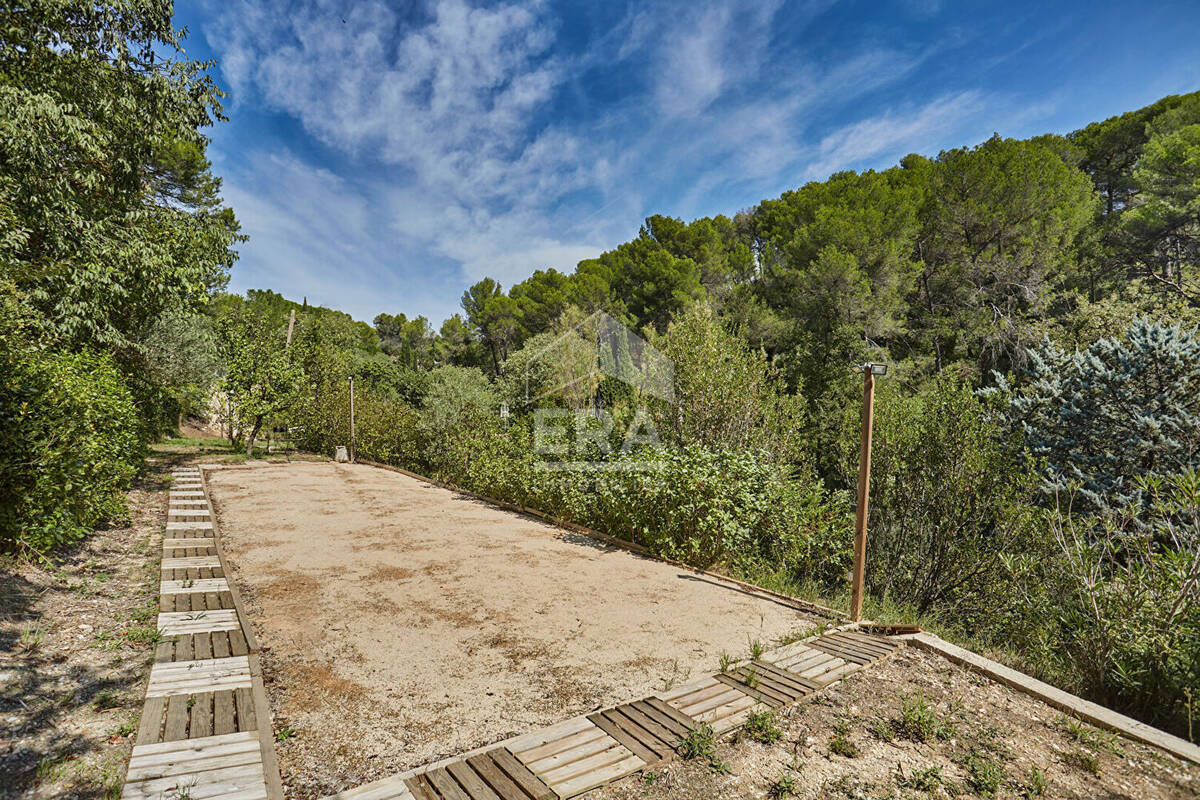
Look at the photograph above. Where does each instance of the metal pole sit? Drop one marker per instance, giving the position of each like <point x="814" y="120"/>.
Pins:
<point x="351" y="420"/>
<point x="864" y="492"/>
<point x="291" y="326"/>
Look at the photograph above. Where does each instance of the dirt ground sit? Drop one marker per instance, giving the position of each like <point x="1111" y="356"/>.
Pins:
<point x="76" y="637"/>
<point x="402" y="622"/>
<point x="855" y="740"/>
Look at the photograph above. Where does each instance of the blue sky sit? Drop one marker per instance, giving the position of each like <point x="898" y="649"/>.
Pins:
<point x="384" y="156"/>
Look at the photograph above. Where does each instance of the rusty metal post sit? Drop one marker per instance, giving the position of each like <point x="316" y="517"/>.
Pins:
<point x="864" y="493"/>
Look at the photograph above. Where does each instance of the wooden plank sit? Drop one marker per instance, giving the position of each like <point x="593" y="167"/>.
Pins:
<point x="803" y="685"/>
<point x="220" y="644"/>
<point x="666" y="738"/>
<point x="766" y="684"/>
<point x="474" y="786"/>
<point x="266" y="736"/>
<point x="150" y="725"/>
<point x="172" y="623"/>
<point x="392" y="788"/>
<point x="855" y="647"/>
<point x="598" y="777"/>
<point x="183" y="647"/>
<point x="202" y="709"/>
<point x="589" y="734"/>
<point x="203" y="645"/>
<point x="1086" y="710"/>
<point x="237" y="643"/>
<point x="728" y="695"/>
<point x="557" y="731"/>
<point x="520" y="774"/>
<point x="420" y="789"/>
<point x="741" y="686"/>
<point x="445" y="785"/>
<point x="574" y="754"/>
<point x="177" y="719"/>
<point x="683" y="719"/>
<point x="674" y="727"/>
<point x="841" y="652"/>
<point x="629" y="741"/>
<point x="246" y="718"/>
<point x="186" y="677"/>
<point x="877" y="641"/>
<point x="164" y="651"/>
<point x="495" y="778"/>
<point x="223" y="713"/>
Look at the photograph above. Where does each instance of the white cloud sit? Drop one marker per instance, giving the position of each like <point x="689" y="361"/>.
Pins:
<point x="894" y="133"/>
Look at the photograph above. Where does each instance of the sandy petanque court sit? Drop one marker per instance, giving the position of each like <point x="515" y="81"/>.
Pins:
<point x="403" y="623"/>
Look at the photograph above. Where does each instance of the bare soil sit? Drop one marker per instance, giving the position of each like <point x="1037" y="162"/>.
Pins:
<point x="989" y="742"/>
<point x="403" y="623"/>
<point x="76" y="639"/>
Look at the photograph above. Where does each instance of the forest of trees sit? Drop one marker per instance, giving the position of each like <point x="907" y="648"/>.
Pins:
<point x="1037" y="302"/>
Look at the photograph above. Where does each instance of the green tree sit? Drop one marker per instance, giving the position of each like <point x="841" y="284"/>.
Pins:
<point x="108" y="214"/>
<point x="261" y="378"/>
<point x="999" y="229"/>
<point x="1101" y="418"/>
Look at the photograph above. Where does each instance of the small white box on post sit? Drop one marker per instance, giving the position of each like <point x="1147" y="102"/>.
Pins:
<point x="340" y="455"/>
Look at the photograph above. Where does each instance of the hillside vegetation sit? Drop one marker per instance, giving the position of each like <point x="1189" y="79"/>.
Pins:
<point x="1037" y="302"/>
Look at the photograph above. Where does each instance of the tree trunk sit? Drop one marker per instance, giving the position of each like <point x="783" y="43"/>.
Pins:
<point x="253" y="435"/>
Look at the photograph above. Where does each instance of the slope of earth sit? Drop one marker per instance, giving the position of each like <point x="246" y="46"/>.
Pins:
<point x="76" y="638"/>
<point x="917" y="726"/>
<point x="402" y="622"/>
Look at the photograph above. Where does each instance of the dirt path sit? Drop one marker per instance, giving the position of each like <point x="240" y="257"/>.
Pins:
<point x="404" y="622"/>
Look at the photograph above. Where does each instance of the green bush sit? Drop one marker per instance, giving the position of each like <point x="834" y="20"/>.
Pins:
<point x="948" y="503"/>
<point x="69" y="439"/>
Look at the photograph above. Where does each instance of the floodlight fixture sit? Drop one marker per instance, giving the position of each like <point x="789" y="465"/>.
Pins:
<point x="874" y="369"/>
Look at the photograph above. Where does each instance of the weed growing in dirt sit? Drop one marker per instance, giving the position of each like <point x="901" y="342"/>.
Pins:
<point x="841" y="743"/>
<point x="650" y="778"/>
<point x="783" y="787"/>
<point x="1083" y="760"/>
<point x="31" y="639"/>
<point x="984" y="775"/>
<point x="1090" y="738"/>
<point x="751" y="679"/>
<point x="760" y="726"/>
<point x="284" y="733"/>
<point x="756" y="649"/>
<point x="143" y="634"/>
<point x="109" y="698"/>
<point x="881" y="729"/>
<point x="1035" y="784"/>
<point x="124" y="729"/>
<point x="794" y="636"/>
<point x="928" y="779"/>
<point x="726" y="661"/>
<point x="920" y="722"/>
<point x="701" y="742"/>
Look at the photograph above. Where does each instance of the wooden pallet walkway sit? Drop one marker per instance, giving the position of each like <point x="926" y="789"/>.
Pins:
<point x="580" y="754"/>
<point x="205" y="730"/>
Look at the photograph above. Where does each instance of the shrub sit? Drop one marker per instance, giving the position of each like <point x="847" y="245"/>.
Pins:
<point x="1102" y="417"/>
<point x="1126" y="589"/>
<point x="69" y="440"/>
<point x="948" y="503"/>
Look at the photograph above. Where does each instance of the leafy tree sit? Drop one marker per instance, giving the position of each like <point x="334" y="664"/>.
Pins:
<point x="411" y="341"/>
<point x="261" y="378"/>
<point x="999" y="227"/>
<point x="108" y="212"/>
<point x="727" y="397"/>
<point x="541" y="299"/>
<point x="1120" y="410"/>
<point x="1166" y="219"/>
<point x="493" y="318"/>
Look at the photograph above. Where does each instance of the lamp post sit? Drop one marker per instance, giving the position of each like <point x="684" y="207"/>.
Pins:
<point x="869" y="372"/>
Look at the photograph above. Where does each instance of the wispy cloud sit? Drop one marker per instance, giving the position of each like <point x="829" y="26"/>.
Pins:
<point x="463" y="140"/>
